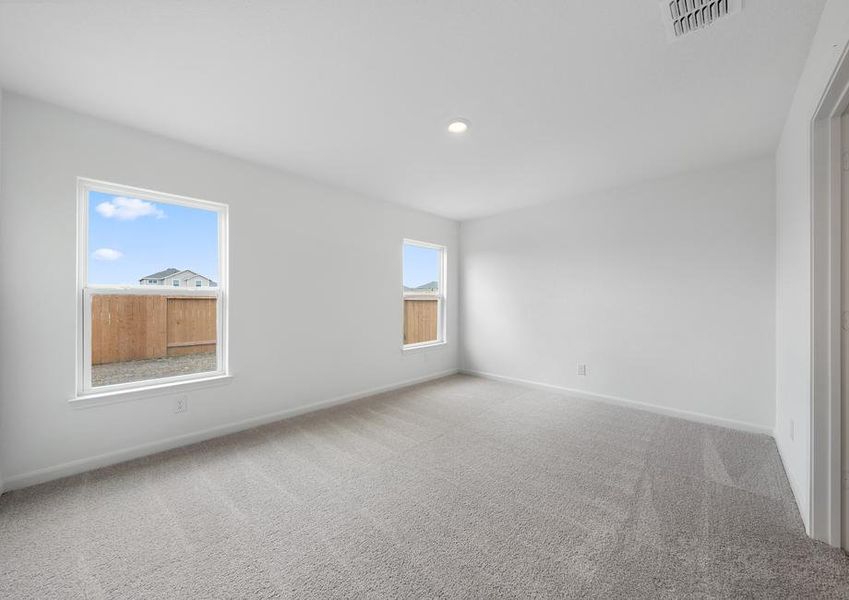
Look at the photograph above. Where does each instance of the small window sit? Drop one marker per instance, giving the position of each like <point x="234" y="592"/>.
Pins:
<point x="135" y="330"/>
<point x="423" y="294"/>
<point x="198" y="283"/>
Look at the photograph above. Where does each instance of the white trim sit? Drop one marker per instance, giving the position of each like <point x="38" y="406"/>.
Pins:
<point x="162" y="387"/>
<point x="420" y="296"/>
<point x="823" y="519"/>
<point x="81" y="465"/>
<point x="430" y="245"/>
<point x="84" y="385"/>
<point x="152" y="290"/>
<point x="84" y="291"/>
<point x="798" y="497"/>
<point x="151" y="195"/>
<point x="80" y="347"/>
<point x="655" y="408"/>
<point x="422" y="346"/>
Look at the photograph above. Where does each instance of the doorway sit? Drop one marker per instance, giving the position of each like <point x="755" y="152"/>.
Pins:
<point x="829" y="448"/>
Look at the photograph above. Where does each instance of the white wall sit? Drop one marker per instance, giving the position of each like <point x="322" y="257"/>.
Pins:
<point x="290" y="346"/>
<point x="793" y="298"/>
<point x="666" y="290"/>
<point x="2" y="319"/>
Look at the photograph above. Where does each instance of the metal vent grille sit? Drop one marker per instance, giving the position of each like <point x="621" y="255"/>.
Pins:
<point x="686" y="16"/>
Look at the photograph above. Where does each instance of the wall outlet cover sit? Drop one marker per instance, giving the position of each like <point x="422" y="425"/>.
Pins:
<point x="582" y="369"/>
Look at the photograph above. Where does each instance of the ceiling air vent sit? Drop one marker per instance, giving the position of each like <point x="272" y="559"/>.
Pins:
<point x="686" y="16"/>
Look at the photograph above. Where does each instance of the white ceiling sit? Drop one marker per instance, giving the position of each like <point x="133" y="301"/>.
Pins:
<point x="564" y="96"/>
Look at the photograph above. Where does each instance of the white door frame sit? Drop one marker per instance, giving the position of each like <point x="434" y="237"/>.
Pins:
<point x="826" y="303"/>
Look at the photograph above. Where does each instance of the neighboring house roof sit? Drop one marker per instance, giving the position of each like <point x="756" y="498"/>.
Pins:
<point x="183" y="275"/>
<point x="162" y="274"/>
<point x="186" y="274"/>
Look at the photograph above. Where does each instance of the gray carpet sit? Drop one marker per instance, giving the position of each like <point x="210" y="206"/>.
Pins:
<point x="461" y="488"/>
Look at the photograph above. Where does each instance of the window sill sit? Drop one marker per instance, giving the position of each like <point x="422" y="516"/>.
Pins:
<point x="151" y="391"/>
<point x="423" y="346"/>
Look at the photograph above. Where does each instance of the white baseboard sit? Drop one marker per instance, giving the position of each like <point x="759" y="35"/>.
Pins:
<point x="110" y="458"/>
<point x="663" y="410"/>
<point x="794" y="486"/>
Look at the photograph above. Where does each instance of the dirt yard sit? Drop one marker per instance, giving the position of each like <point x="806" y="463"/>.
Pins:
<point x="140" y="370"/>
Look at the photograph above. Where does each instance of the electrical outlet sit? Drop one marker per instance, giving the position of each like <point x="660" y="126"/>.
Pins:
<point x="582" y="369"/>
<point x="181" y="404"/>
<point x="792" y="429"/>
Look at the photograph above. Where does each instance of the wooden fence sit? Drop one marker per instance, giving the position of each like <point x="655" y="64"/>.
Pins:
<point x="138" y="327"/>
<point x="420" y="320"/>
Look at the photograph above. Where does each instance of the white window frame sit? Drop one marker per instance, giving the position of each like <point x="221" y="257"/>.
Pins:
<point x="441" y="297"/>
<point x="85" y="291"/>
<point x="175" y="283"/>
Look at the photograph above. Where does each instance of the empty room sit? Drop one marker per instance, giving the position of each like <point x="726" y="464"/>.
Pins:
<point x="424" y="299"/>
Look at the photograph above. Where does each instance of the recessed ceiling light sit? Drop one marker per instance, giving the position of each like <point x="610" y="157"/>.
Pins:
<point x="458" y="126"/>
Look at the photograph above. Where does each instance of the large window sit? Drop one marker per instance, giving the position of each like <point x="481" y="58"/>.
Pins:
<point x="424" y="294"/>
<point x="140" y="321"/>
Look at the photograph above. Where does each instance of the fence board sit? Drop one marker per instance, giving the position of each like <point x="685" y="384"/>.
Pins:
<point x="420" y="321"/>
<point x="127" y="328"/>
<point x="137" y="327"/>
<point x="190" y="320"/>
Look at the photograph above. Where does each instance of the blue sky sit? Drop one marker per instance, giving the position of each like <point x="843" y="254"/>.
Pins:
<point x="421" y="265"/>
<point x="129" y="238"/>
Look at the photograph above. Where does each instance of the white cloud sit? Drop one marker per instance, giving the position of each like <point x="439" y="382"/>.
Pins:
<point x="107" y="254"/>
<point x="127" y="209"/>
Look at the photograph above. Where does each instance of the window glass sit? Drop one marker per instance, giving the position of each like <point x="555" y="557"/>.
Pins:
<point x="423" y="293"/>
<point x="130" y="238"/>
<point x="422" y="266"/>
<point x="136" y="328"/>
